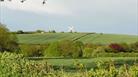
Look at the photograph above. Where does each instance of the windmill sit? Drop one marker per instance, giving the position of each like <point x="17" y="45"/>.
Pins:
<point x="71" y="29"/>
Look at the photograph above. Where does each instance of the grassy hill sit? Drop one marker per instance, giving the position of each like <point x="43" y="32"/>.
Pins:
<point x="84" y="37"/>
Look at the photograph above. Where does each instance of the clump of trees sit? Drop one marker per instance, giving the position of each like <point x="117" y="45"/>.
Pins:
<point x="52" y="31"/>
<point x="32" y="50"/>
<point x="8" y="41"/>
<point x="20" y="32"/>
<point x="65" y="48"/>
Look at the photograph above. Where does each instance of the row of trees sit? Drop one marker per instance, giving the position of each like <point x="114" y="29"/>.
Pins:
<point x="37" y="31"/>
<point x="75" y="49"/>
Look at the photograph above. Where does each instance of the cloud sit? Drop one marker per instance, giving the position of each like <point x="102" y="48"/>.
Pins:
<point x="75" y="7"/>
<point x="36" y="6"/>
<point x="94" y="15"/>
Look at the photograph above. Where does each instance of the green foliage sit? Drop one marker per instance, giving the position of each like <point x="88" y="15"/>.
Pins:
<point x="39" y="31"/>
<point x="32" y="50"/>
<point x="87" y="52"/>
<point x="93" y="51"/>
<point x="70" y="48"/>
<point x="15" y="65"/>
<point x="116" y="47"/>
<point x="52" y="31"/>
<point x="65" y="48"/>
<point x="20" y="32"/>
<point x="53" y="50"/>
<point x="8" y="41"/>
<point x="134" y="47"/>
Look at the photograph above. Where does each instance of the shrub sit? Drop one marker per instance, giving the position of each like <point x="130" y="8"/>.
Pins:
<point x="87" y="52"/>
<point x="70" y="48"/>
<point x="65" y="48"/>
<point x="76" y="49"/>
<point x="93" y="52"/>
<point x="53" y="50"/>
<point x="8" y="41"/>
<point x="134" y="47"/>
<point x="31" y="50"/>
<point x="116" y="48"/>
<point x="126" y="47"/>
<point x="98" y="50"/>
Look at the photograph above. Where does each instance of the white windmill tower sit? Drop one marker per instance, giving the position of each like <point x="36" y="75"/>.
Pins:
<point x="71" y="29"/>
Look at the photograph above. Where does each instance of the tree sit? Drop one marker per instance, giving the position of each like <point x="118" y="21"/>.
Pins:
<point x="65" y="48"/>
<point x="20" y="32"/>
<point x="8" y="41"/>
<point x="40" y="31"/>
<point x="53" y="50"/>
<point x="71" y="48"/>
<point x="52" y="31"/>
<point x="31" y="50"/>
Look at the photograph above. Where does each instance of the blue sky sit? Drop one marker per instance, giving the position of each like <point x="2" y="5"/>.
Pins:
<point x="107" y="16"/>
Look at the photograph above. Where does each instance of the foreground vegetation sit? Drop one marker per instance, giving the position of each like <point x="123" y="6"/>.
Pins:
<point x="16" y="65"/>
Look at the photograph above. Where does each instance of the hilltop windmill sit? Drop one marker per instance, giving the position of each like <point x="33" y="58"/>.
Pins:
<point x="71" y="29"/>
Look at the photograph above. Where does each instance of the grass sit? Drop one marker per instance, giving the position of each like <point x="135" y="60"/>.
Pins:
<point x="89" y="63"/>
<point x="84" y="37"/>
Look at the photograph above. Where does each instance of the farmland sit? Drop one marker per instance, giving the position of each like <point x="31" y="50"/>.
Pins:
<point x="84" y="37"/>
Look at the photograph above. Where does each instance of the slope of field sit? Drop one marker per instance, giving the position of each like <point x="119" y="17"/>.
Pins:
<point x="84" y="37"/>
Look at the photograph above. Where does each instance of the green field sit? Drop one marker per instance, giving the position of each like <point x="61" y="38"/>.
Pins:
<point x="84" y="37"/>
<point x="69" y="64"/>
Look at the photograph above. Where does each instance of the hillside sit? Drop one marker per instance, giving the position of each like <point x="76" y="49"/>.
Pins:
<point x="84" y="37"/>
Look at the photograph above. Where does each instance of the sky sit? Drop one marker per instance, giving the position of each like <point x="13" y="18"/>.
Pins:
<point x="101" y="16"/>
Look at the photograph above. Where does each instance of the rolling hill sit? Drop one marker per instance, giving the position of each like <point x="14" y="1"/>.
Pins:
<point x="84" y="37"/>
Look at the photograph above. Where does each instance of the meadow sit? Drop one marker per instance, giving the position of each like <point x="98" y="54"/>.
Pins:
<point x="83" y="37"/>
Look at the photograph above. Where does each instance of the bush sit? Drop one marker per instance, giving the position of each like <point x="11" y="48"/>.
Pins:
<point x="53" y="50"/>
<point x="98" y="50"/>
<point x="92" y="52"/>
<point x="114" y="47"/>
<point x="65" y="48"/>
<point x="126" y="47"/>
<point x="87" y="52"/>
<point x="134" y="47"/>
<point x="32" y="50"/>
<point x="70" y="48"/>
<point x="8" y="41"/>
